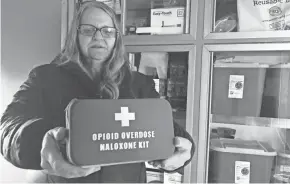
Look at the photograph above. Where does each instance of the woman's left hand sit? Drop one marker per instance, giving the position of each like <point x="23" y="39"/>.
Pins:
<point x="178" y="159"/>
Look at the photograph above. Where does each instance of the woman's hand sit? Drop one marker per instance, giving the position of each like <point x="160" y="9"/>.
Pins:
<point x="178" y="159"/>
<point x="52" y="160"/>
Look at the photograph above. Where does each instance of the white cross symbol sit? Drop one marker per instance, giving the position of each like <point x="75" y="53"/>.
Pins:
<point x="124" y="117"/>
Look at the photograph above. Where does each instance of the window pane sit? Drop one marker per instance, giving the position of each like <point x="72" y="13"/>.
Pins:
<point x="169" y="71"/>
<point x="256" y="15"/>
<point x="155" y="17"/>
<point x="249" y="118"/>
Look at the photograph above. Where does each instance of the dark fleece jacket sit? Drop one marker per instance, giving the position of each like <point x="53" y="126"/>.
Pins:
<point x="39" y="105"/>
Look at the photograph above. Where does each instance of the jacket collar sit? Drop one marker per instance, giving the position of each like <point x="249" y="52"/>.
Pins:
<point x="92" y="87"/>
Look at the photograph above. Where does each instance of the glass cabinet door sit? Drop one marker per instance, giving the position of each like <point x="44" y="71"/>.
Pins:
<point x="159" y="22"/>
<point x="172" y="75"/>
<point x="156" y="17"/>
<point x="146" y="22"/>
<point x="248" y="128"/>
<point x="252" y="19"/>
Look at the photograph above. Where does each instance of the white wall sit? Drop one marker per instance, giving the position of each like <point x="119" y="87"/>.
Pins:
<point x="30" y="36"/>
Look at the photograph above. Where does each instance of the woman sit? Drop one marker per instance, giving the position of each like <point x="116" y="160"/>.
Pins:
<point x="92" y="65"/>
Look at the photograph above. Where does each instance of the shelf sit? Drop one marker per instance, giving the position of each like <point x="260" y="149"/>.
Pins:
<point x="249" y="35"/>
<point x="251" y="121"/>
<point x="143" y="19"/>
<point x="158" y="39"/>
<point x="214" y="12"/>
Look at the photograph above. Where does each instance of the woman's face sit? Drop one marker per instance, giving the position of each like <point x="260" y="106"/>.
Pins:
<point x="96" y="48"/>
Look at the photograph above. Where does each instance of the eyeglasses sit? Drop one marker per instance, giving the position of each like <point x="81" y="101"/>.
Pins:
<point x="90" y="30"/>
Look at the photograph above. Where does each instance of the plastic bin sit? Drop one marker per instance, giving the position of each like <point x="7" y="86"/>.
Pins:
<point x="282" y="169"/>
<point x="276" y="100"/>
<point x="240" y="161"/>
<point x="237" y="89"/>
<point x="280" y="178"/>
<point x="263" y="15"/>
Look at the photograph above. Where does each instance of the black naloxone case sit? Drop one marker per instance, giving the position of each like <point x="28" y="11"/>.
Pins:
<point x="108" y="132"/>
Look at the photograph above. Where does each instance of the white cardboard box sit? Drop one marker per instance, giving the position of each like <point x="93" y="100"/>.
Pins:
<point x="158" y="177"/>
<point x="154" y="177"/>
<point x="172" y="178"/>
<point x="168" y="18"/>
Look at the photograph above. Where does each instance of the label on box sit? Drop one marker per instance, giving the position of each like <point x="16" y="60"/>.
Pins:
<point x="174" y="178"/>
<point x="154" y="177"/>
<point x="168" y="18"/>
<point x="236" y="86"/>
<point x="156" y="81"/>
<point x="242" y="172"/>
<point x="160" y="86"/>
<point x="284" y="168"/>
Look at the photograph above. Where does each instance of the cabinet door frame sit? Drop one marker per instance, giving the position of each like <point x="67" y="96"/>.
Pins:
<point x="68" y="8"/>
<point x="64" y="17"/>
<point x="205" y="95"/>
<point x="187" y="38"/>
<point x="193" y="91"/>
<point x="253" y="36"/>
<point x="67" y="13"/>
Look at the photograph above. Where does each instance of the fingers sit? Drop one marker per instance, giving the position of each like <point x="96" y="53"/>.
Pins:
<point x="175" y="161"/>
<point x="51" y="142"/>
<point x="51" y="156"/>
<point x="90" y="170"/>
<point x="59" y="133"/>
<point x="150" y="162"/>
<point x="155" y="163"/>
<point x="169" y="164"/>
<point x="45" y="165"/>
<point x="67" y="170"/>
<point x="179" y="158"/>
<point x="71" y="171"/>
<point x="63" y="169"/>
<point x="182" y="143"/>
<point x="50" y="149"/>
<point x="52" y="160"/>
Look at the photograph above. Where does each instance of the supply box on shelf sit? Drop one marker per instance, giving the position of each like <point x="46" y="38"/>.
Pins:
<point x="240" y="161"/>
<point x="159" y="177"/>
<point x="282" y="169"/>
<point x="276" y="100"/>
<point x="168" y="20"/>
<point x="155" y="175"/>
<point x="237" y="88"/>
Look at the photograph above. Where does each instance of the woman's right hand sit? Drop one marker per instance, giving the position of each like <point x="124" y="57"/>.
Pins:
<point x="52" y="160"/>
